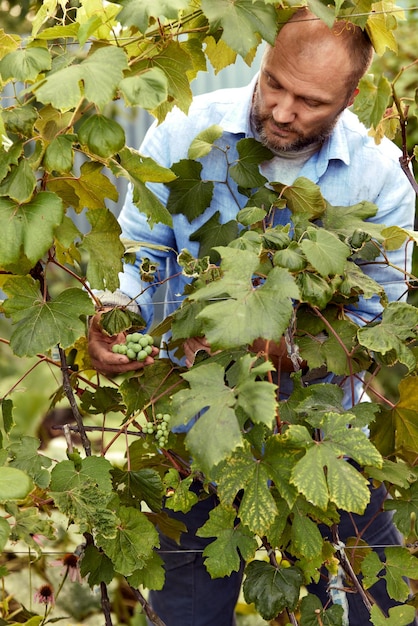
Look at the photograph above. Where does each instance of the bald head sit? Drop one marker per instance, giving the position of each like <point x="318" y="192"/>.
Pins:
<point x="311" y="37"/>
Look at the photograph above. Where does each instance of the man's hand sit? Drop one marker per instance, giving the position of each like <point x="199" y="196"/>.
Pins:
<point x="192" y="346"/>
<point x="102" y="357"/>
<point x="277" y="353"/>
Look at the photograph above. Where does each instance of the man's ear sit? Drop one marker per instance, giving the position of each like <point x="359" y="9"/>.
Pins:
<point x="352" y="97"/>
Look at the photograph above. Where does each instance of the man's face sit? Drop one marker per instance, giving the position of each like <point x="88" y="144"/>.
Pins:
<point x="300" y="93"/>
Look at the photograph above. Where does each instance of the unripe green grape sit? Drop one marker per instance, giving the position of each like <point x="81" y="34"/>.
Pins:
<point x="134" y="337"/>
<point x="116" y="348"/>
<point x="130" y="354"/>
<point x="148" y="350"/>
<point x="141" y="355"/>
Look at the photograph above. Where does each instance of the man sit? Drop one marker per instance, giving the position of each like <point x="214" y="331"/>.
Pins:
<point x="297" y="107"/>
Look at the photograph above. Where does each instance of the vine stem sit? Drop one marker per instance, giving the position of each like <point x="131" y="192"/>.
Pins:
<point x="149" y="612"/>
<point x="346" y="565"/>
<point x="73" y="404"/>
<point x="105" y="604"/>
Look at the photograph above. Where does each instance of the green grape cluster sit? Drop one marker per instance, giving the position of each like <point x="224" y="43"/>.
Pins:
<point x="136" y="348"/>
<point x="159" y="429"/>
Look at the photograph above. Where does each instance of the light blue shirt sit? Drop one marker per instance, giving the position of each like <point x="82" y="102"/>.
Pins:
<point x="349" y="168"/>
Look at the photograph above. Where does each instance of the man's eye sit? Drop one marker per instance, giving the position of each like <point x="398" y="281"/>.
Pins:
<point x="272" y="83"/>
<point x="312" y="104"/>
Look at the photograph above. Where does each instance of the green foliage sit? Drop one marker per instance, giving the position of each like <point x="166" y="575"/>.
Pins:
<point x="280" y="466"/>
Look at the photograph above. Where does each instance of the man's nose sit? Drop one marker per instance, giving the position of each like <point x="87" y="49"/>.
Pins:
<point x="284" y="110"/>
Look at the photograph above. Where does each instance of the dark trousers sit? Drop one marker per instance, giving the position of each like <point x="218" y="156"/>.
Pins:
<point x="190" y="597"/>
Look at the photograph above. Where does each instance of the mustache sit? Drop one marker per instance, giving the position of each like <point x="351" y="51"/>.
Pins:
<point x="261" y="120"/>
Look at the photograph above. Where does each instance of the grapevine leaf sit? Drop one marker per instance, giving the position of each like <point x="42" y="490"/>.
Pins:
<point x="372" y="100"/>
<point x="8" y="42"/>
<point x="280" y="458"/>
<point x="29" y="523"/>
<point x="212" y="234"/>
<point x="142" y="168"/>
<point x="133" y="544"/>
<point x="342" y="484"/>
<point x="371" y="566"/>
<point x="59" y="154"/>
<point x="135" y="486"/>
<point x="241" y="471"/>
<point x="91" y="187"/>
<point x="306" y="538"/>
<point x="325" y="252"/>
<point x="4" y="532"/>
<point x="25" y="457"/>
<point x="405" y="418"/>
<point x="394" y="237"/>
<point x="6" y="407"/>
<point x="325" y="13"/>
<point x="290" y="257"/>
<point x="155" y="381"/>
<point x="147" y="90"/>
<point x="222" y="556"/>
<point x="139" y="170"/>
<point x="102" y="135"/>
<point x="257" y="398"/>
<point x="183" y="498"/>
<point x="356" y="282"/>
<point x="398" y="324"/>
<point x="314" y="289"/>
<point x="399" y="474"/>
<point x="87" y="506"/>
<point x="96" y="566"/>
<point x="345" y="220"/>
<point x="400" y="563"/>
<point x="25" y="64"/>
<point x="246" y="172"/>
<point x="203" y="143"/>
<point x="245" y="313"/>
<point x="379" y="27"/>
<point x="152" y="576"/>
<point x="28" y="228"/>
<point x="313" y="613"/>
<point x="14" y="484"/>
<point x="93" y="469"/>
<point x="242" y="22"/>
<point x="189" y="194"/>
<point x="138" y="12"/>
<point x="9" y="157"/>
<point x="175" y="62"/>
<point x="398" y="616"/>
<point x="21" y="120"/>
<point x="271" y="589"/>
<point x="353" y="441"/>
<point x="101" y="400"/>
<point x="55" y="32"/>
<point x="20" y="183"/>
<point x="105" y="250"/>
<point x="99" y="74"/>
<point x="41" y="325"/>
<point x="217" y="425"/>
<point x="406" y="512"/>
<point x="303" y="198"/>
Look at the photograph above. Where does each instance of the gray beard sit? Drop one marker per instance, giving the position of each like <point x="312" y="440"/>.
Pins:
<point x="300" y="143"/>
